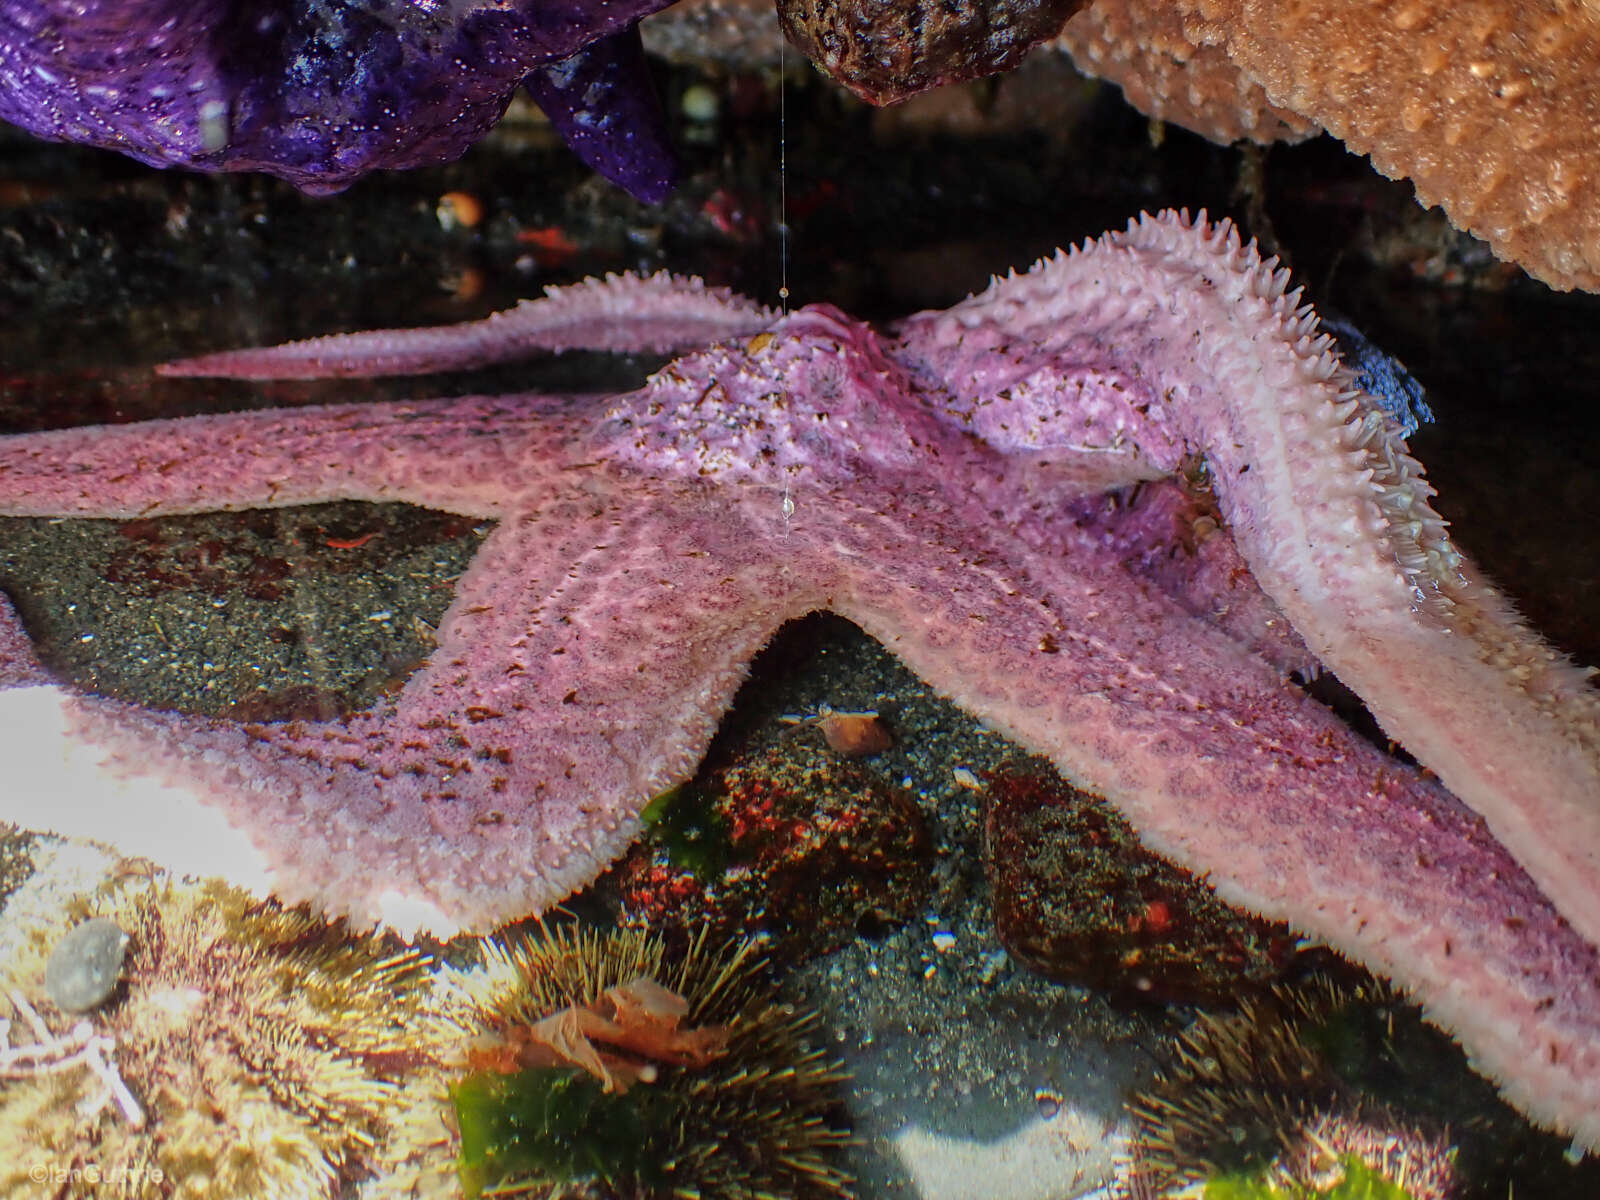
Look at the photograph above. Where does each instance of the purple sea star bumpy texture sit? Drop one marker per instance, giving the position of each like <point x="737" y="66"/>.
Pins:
<point x="320" y="92"/>
<point x="944" y="488"/>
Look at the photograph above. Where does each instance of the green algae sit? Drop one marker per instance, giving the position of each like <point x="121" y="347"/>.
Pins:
<point x="1357" y="1181"/>
<point x="684" y="823"/>
<point x="556" y="1125"/>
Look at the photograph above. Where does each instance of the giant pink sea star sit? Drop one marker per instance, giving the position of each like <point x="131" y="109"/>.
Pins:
<point x="930" y="487"/>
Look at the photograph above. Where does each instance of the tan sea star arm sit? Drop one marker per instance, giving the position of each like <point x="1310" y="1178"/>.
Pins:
<point x="1140" y="46"/>
<point x="1490" y="107"/>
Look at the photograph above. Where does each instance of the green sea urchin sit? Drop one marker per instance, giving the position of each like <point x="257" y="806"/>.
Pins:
<point x="1260" y="1098"/>
<point x="755" y="1121"/>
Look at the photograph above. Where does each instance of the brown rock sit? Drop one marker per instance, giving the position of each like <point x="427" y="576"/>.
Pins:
<point x="1079" y="899"/>
<point x="884" y="51"/>
<point x="789" y="841"/>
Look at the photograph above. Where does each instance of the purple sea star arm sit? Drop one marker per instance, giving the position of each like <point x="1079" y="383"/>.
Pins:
<point x="442" y="813"/>
<point x="601" y="103"/>
<point x="620" y="313"/>
<point x="277" y="457"/>
<point x="512" y="767"/>
<point x="581" y="669"/>
<point x="153" y="68"/>
<point x="978" y="576"/>
<point x="1191" y="347"/>
<point x="317" y="94"/>
<point x="1224" y="767"/>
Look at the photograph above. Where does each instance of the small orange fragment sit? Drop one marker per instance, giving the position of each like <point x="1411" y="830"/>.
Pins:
<point x="350" y="543"/>
<point x="459" y="210"/>
<point x="552" y="247"/>
<point x="620" y="1038"/>
<point x="854" y="734"/>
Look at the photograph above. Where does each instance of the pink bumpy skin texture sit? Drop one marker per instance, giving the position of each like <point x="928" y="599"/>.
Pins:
<point x="938" y="488"/>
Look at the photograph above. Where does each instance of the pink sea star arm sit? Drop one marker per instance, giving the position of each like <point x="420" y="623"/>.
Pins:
<point x="451" y="454"/>
<point x="19" y="665"/>
<point x="1226" y="768"/>
<point x="620" y="313"/>
<point x="582" y="668"/>
<point x="1190" y="346"/>
<point x="978" y="568"/>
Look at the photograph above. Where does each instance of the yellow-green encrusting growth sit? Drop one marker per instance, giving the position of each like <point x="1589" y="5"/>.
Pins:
<point x="264" y="1050"/>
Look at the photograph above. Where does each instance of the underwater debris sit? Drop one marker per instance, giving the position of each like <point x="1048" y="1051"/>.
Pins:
<point x="261" y="1049"/>
<point x="852" y="734"/>
<point x="639" y="1019"/>
<point x="755" y="1118"/>
<point x="50" y="1053"/>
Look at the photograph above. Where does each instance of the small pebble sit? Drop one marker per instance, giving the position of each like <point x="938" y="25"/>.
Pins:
<point x="82" y="970"/>
<point x="700" y="103"/>
<point x="459" y="210"/>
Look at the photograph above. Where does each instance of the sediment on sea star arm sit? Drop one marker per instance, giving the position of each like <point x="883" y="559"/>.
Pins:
<point x="1325" y="504"/>
<point x="620" y="313"/>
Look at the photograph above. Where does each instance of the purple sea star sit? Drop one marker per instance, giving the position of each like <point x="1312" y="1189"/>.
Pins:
<point x="322" y="94"/>
<point x="939" y="488"/>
